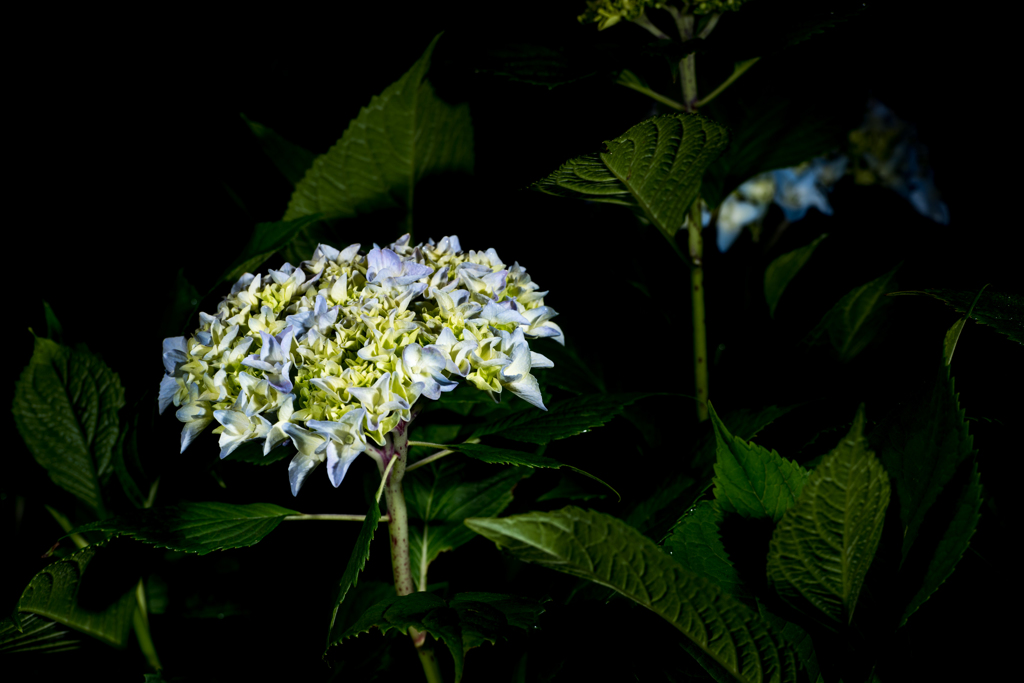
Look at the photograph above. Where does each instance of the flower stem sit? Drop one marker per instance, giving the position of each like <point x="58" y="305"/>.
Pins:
<point x="738" y="70"/>
<point x="141" y="622"/>
<point x="687" y="65"/>
<point x="643" y="22"/>
<point x="700" y="338"/>
<point x="397" y="449"/>
<point x="652" y="94"/>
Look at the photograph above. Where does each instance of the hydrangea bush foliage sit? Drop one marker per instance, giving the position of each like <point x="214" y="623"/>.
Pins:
<point x="793" y="479"/>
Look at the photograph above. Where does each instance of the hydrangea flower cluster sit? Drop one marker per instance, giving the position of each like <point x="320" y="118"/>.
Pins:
<point x="333" y="354"/>
<point x="885" y="150"/>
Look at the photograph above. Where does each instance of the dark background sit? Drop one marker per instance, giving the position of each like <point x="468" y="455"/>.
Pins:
<point x="131" y="162"/>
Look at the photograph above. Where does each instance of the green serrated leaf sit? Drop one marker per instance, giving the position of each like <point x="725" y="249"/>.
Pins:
<point x="695" y="543"/>
<point x="507" y="456"/>
<point x="609" y="552"/>
<point x="953" y="543"/>
<point x="782" y="270"/>
<point x="467" y="621"/>
<point x="65" y="407"/>
<point x="53" y="593"/>
<point x="356" y="562"/>
<point x="751" y="480"/>
<point x="196" y="527"/>
<point x="854" y="321"/>
<point x="656" y="165"/>
<point x="37" y="635"/>
<point x="405" y="134"/>
<point x="745" y="423"/>
<point x="799" y="639"/>
<point x="823" y="546"/>
<point x="1002" y="311"/>
<point x="440" y="498"/>
<point x="921" y="448"/>
<point x="566" y="418"/>
<point x="267" y="238"/>
<point x="292" y="160"/>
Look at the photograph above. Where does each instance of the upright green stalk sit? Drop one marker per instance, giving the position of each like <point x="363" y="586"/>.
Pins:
<point x="141" y="622"/>
<point x="397" y="448"/>
<point x="700" y="337"/>
<point x="687" y="65"/>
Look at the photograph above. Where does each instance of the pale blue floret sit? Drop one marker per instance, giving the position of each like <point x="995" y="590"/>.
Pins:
<point x="456" y="352"/>
<point x="239" y="428"/>
<point x="320" y="318"/>
<point x="196" y="414"/>
<point x="539" y="325"/>
<point x="379" y="401"/>
<point x="277" y="432"/>
<point x="502" y="313"/>
<point x="515" y="376"/>
<point x="427" y="365"/>
<point x="169" y="388"/>
<point x="345" y="441"/>
<point x="480" y="280"/>
<point x="796" y="192"/>
<point x="385" y="266"/>
<point x="175" y="355"/>
<point x="734" y="215"/>
<point x="274" y="360"/>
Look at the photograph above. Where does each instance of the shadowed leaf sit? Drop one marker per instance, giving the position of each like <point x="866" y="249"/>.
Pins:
<point x="196" y="527"/>
<point x="751" y="480"/>
<point x="1002" y="311"/>
<point x="356" y="562"/>
<point x="563" y="419"/>
<point x="782" y="270"/>
<point x="37" y="635"/>
<point x="823" y="546"/>
<point x="508" y="456"/>
<point x="440" y="498"/>
<point x="656" y="165"/>
<point x="466" y="621"/>
<point x="291" y="160"/>
<point x="65" y="407"/>
<point x="953" y="543"/>
<point x="53" y="593"/>
<point x="921" y="447"/>
<point x="695" y="543"/>
<point x="854" y="321"/>
<point x="403" y="135"/>
<point x="607" y="551"/>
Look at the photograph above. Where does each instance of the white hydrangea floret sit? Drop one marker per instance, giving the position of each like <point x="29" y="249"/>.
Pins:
<point x="332" y="355"/>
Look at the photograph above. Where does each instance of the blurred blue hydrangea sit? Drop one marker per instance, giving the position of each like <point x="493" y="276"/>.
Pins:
<point x="884" y="151"/>
<point x="887" y="152"/>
